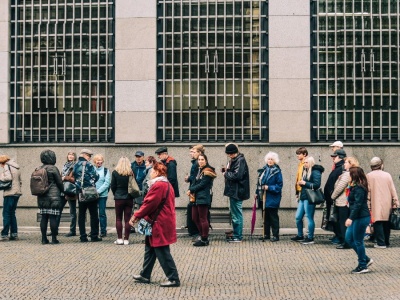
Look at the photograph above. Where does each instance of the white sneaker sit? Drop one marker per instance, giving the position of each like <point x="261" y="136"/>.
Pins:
<point x="126" y="242"/>
<point x="119" y="242"/>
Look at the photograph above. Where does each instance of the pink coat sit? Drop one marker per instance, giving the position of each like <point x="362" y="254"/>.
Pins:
<point x="164" y="229"/>
<point x="382" y="195"/>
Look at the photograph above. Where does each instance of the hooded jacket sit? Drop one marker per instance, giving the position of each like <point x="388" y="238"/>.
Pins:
<point x="314" y="182"/>
<point x="202" y="185"/>
<point x="51" y="199"/>
<point x="237" y="180"/>
<point x="12" y="172"/>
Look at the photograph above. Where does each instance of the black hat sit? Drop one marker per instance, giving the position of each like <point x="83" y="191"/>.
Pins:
<point x="339" y="152"/>
<point x="161" y="150"/>
<point x="231" y="149"/>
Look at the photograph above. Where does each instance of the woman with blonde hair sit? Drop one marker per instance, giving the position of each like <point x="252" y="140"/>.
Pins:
<point x="123" y="201"/>
<point x="311" y="180"/>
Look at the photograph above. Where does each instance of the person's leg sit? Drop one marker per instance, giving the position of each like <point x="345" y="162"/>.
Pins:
<point x="299" y="218"/>
<point x="54" y="222"/>
<point x="72" y="214"/>
<point x="7" y="205"/>
<point x="148" y="262"/>
<point x="58" y="217"/>
<point x="94" y="219"/>
<point x="310" y="210"/>
<point x="267" y="222"/>
<point x="386" y="232"/>
<point x="118" y="217"/>
<point x="237" y="217"/>
<point x="127" y="216"/>
<point x="167" y="263"/>
<point x="203" y="221"/>
<point x="195" y="218"/>
<point x="358" y="234"/>
<point x="43" y="228"/>
<point x="274" y="217"/>
<point x="102" y="215"/>
<point x="190" y="223"/>
<point x="82" y="219"/>
<point x="13" y="218"/>
<point x="379" y="233"/>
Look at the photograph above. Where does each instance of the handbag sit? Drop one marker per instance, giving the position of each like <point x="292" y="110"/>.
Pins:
<point x="88" y="194"/>
<point x="395" y="219"/>
<point x="333" y="216"/>
<point x="5" y="185"/>
<point x="70" y="188"/>
<point x="325" y="224"/>
<point x="315" y="196"/>
<point x="133" y="187"/>
<point x="144" y="227"/>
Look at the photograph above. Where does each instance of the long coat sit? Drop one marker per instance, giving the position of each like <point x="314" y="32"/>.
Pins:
<point x="164" y="228"/>
<point x="382" y="194"/>
<point x="273" y="179"/>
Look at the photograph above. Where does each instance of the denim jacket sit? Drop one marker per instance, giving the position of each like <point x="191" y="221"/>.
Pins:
<point x="90" y="176"/>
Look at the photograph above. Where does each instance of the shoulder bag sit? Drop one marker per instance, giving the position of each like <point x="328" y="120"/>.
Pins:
<point x="133" y="187"/>
<point x="5" y="185"/>
<point x="88" y="194"/>
<point x="145" y="227"/>
<point x="315" y="196"/>
<point x="395" y="219"/>
<point x="70" y="188"/>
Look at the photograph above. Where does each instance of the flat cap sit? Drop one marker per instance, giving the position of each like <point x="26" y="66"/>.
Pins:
<point x="86" y="151"/>
<point x="339" y="152"/>
<point x="161" y="150"/>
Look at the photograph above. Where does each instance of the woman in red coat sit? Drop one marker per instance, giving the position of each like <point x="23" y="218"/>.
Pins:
<point x="163" y="229"/>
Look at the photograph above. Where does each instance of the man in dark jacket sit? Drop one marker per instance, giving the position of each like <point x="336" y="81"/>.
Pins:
<point x="139" y="169"/>
<point x="171" y="164"/>
<point x="89" y="179"/>
<point x="338" y="161"/>
<point x="237" y="188"/>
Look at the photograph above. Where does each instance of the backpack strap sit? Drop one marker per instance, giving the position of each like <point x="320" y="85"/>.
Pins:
<point x="105" y="171"/>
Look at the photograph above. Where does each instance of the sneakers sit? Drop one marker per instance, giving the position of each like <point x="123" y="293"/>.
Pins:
<point x="14" y="238"/>
<point x="119" y="242"/>
<point x="308" y="241"/>
<point x="370" y="261"/>
<point x="4" y="238"/>
<point x="234" y="240"/>
<point x="297" y="238"/>
<point x="126" y="242"/>
<point x="95" y="239"/>
<point x="141" y="279"/>
<point x="201" y="243"/>
<point x="360" y="270"/>
<point x="379" y="246"/>
<point x="335" y="241"/>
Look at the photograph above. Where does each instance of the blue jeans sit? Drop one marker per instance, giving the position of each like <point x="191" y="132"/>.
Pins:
<point x="237" y="217"/>
<point x="103" y="215"/>
<point x="9" y="218"/>
<point x="355" y="238"/>
<point x="72" y="214"/>
<point x="305" y="209"/>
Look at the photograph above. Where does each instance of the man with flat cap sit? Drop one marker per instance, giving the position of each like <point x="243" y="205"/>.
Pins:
<point x="171" y="164"/>
<point x="90" y="178"/>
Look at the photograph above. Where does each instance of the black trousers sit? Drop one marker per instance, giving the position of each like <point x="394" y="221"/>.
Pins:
<point x="343" y="213"/>
<point x="94" y="219"/>
<point x="382" y="232"/>
<point x="165" y="259"/>
<point x="271" y="220"/>
<point x="53" y="224"/>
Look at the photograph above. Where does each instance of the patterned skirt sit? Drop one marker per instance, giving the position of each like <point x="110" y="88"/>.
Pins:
<point x="49" y="211"/>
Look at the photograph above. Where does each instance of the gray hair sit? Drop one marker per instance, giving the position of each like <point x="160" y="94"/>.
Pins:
<point x="274" y="156"/>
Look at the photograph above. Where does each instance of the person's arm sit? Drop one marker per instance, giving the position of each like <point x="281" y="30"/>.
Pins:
<point x="171" y="173"/>
<point x="237" y="173"/>
<point x="341" y="185"/>
<point x="57" y="178"/>
<point x="114" y="182"/>
<point x="6" y="174"/>
<point x="152" y="201"/>
<point x="316" y="181"/>
<point x="204" y="182"/>
<point x="359" y="197"/>
<point x="395" y="199"/>
<point x="106" y="183"/>
<point x="277" y="187"/>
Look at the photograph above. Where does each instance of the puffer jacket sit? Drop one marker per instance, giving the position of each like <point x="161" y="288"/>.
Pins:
<point x="119" y="186"/>
<point x="15" y="176"/>
<point x="272" y="177"/>
<point x="202" y="185"/>
<point x="51" y="199"/>
<point x="90" y="177"/>
<point x="339" y="195"/>
<point x="313" y="183"/>
<point x="237" y="179"/>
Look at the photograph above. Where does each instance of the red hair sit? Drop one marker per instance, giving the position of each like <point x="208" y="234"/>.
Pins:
<point x="160" y="169"/>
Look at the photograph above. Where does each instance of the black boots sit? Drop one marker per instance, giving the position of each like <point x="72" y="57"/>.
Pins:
<point x="202" y="242"/>
<point x="44" y="240"/>
<point x="54" y="239"/>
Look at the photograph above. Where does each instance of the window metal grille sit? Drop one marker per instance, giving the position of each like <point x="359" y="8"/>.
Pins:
<point x="212" y="70"/>
<point x="355" y="53"/>
<point x="62" y="71"/>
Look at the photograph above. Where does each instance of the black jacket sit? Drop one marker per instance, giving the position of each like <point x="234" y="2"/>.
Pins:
<point x="237" y="181"/>
<point x="358" y="203"/>
<point x="119" y="186"/>
<point x="51" y="199"/>
<point x="172" y="176"/>
<point x="330" y="183"/>
<point x="314" y="182"/>
<point x="202" y="185"/>
<point x="193" y="171"/>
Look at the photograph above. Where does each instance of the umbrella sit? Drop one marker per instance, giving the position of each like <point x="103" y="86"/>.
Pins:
<point x="254" y="216"/>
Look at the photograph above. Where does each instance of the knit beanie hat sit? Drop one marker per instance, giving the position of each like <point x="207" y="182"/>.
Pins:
<point x="231" y="149"/>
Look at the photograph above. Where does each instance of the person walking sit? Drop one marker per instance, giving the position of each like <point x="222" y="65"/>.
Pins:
<point x="201" y="192"/>
<point x="50" y="203"/>
<point x="237" y="188"/>
<point x="89" y="179"/>
<point x="382" y="198"/>
<point x="271" y="183"/>
<point x="311" y="180"/>
<point x="11" y="172"/>
<point x="359" y="218"/>
<point x="123" y="201"/>
<point x="67" y="174"/>
<point x="102" y="187"/>
<point x="171" y="165"/>
<point x="158" y="204"/>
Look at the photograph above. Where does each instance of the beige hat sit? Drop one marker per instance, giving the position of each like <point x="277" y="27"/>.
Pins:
<point x="337" y="144"/>
<point x="86" y="151"/>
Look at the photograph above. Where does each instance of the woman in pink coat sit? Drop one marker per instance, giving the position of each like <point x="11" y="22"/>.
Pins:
<point x="382" y="198"/>
<point x="163" y="229"/>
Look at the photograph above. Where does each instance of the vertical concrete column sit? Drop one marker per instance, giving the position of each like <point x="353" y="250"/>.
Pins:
<point x="289" y="71"/>
<point x="4" y="70"/>
<point x="135" y="71"/>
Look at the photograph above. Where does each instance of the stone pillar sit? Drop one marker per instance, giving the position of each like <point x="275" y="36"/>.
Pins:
<point x="4" y="71"/>
<point x="135" y="71"/>
<point x="289" y="71"/>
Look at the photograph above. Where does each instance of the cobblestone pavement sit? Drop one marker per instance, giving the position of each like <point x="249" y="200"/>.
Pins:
<point x="248" y="270"/>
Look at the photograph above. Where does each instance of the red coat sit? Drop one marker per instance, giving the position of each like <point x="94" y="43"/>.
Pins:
<point x="164" y="229"/>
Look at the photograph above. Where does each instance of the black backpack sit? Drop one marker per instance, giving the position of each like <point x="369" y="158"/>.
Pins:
<point x="39" y="182"/>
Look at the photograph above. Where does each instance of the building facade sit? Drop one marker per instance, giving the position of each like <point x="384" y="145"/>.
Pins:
<point x="118" y="76"/>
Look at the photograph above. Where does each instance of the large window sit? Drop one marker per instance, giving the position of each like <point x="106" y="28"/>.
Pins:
<point x="212" y="70"/>
<point x="355" y="53"/>
<point x="62" y="71"/>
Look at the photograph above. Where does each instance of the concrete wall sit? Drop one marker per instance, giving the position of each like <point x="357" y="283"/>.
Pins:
<point x="28" y="158"/>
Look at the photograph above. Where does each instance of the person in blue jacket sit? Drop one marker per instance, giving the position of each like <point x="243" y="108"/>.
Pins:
<point x="269" y="188"/>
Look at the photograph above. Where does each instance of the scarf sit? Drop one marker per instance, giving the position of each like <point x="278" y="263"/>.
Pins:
<point x="67" y="168"/>
<point x="157" y="179"/>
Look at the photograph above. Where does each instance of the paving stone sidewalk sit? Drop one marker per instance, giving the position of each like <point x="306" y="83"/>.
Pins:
<point x="248" y="270"/>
